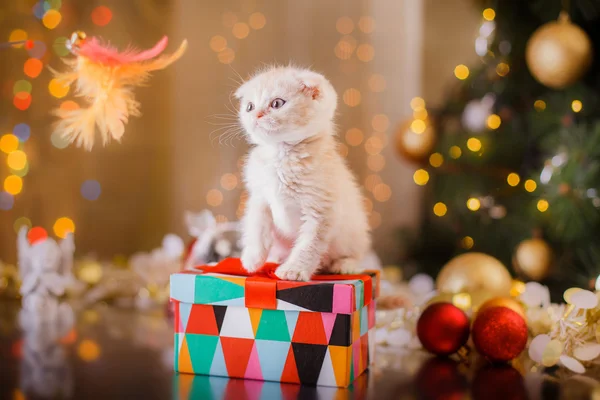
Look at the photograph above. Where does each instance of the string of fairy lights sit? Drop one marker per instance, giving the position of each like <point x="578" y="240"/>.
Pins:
<point x="34" y="41"/>
<point x="492" y="122"/>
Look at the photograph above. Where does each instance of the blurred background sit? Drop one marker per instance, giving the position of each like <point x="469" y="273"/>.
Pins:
<point x="123" y="198"/>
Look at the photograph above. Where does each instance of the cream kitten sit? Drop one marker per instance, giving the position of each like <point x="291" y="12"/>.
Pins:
<point x="304" y="208"/>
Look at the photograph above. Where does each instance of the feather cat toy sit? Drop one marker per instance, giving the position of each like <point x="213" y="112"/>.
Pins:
<point x="105" y="79"/>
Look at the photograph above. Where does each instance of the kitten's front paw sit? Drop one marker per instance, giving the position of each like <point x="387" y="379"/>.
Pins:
<point x="345" y="266"/>
<point x="253" y="258"/>
<point x="293" y="272"/>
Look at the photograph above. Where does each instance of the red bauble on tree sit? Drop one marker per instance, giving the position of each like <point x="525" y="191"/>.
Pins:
<point x="499" y="333"/>
<point x="443" y="328"/>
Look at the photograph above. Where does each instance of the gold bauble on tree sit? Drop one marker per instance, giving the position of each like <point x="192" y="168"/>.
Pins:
<point x="475" y="273"/>
<point x="533" y="258"/>
<point x="415" y="140"/>
<point x="507" y="302"/>
<point x="559" y="53"/>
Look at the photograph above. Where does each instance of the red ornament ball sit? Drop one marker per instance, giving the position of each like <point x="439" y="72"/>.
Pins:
<point x="443" y="329"/>
<point x="499" y="333"/>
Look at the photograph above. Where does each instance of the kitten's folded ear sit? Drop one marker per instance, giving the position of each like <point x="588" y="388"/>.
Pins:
<point x="239" y="93"/>
<point x="310" y="83"/>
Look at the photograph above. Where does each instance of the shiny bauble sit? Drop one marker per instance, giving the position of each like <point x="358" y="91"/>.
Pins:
<point x="474" y="272"/>
<point x="412" y="146"/>
<point x="507" y="302"/>
<point x="443" y="329"/>
<point x="533" y="258"/>
<point x="559" y="53"/>
<point x="499" y="334"/>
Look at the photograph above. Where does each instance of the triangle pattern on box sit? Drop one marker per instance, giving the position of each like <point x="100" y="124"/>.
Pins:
<point x="203" y="348"/>
<point x="339" y="360"/>
<point x="312" y="297"/>
<point x="364" y="321"/>
<point x="327" y="374"/>
<point x="309" y="358"/>
<point x="290" y="372"/>
<point x="273" y="326"/>
<point x="309" y="329"/>
<point x="202" y="320"/>
<point x="272" y="355"/>
<point x="253" y="370"/>
<point x="185" y="362"/>
<point x="340" y="335"/>
<point x="255" y="314"/>
<point x="285" y="306"/>
<point x="291" y="318"/>
<point x="239" y="302"/>
<point x="219" y="315"/>
<point x="328" y="323"/>
<point x="218" y="366"/>
<point x="237" y="353"/>
<point x="184" y="315"/>
<point x="213" y="289"/>
<point x="237" y="324"/>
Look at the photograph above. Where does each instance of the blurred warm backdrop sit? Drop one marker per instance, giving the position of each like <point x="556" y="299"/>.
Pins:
<point x="379" y="54"/>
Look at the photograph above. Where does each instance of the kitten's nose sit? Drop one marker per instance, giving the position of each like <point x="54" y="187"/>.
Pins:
<point x="260" y="114"/>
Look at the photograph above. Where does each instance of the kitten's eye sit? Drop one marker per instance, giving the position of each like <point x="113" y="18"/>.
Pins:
<point x="250" y="107"/>
<point x="277" y="103"/>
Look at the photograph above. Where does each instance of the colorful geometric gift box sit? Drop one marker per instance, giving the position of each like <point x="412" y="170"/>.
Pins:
<point x="256" y="327"/>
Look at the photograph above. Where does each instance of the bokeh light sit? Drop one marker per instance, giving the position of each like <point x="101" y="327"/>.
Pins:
<point x="214" y="197"/>
<point x="373" y="145"/>
<point x="473" y="204"/>
<point x="217" y="43"/>
<point x="474" y="144"/>
<point x="371" y="181"/>
<point x="88" y="350"/>
<point x="467" y="242"/>
<point x="351" y="97"/>
<point x="440" y="209"/>
<point x="377" y="83"/>
<point x="13" y="185"/>
<point x="17" y="160"/>
<point x="502" y="69"/>
<point x="513" y="179"/>
<point x="365" y="52"/>
<point x="382" y="192"/>
<point x="101" y="15"/>
<point x="345" y="47"/>
<point x="576" y="105"/>
<point x="539" y="105"/>
<point x="367" y="205"/>
<point x="91" y="189"/>
<point x="421" y="177"/>
<point x="530" y="185"/>
<point x="37" y="49"/>
<point x="21" y="222"/>
<point x="22" y="101"/>
<point x="376" y="162"/>
<point x="354" y="136"/>
<point x="417" y="103"/>
<point x="229" y="181"/>
<point x="380" y="122"/>
<point x="240" y="30"/>
<point x="59" y="141"/>
<point x="455" y="152"/>
<point x="22" y="86"/>
<point x="418" y="126"/>
<point x="489" y="14"/>
<point x="60" y="47"/>
<point x="20" y="172"/>
<point x="36" y="234"/>
<point x="461" y="71"/>
<point x="543" y="205"/>
<point x="366" y="24"/>
<point x="6" y="201"/>
<point x="17" y="35"/>
<point x="33" y="67"/>
<point x="69" y="105"/>
<point x="420" y="113"/>
<point x="9" y="143"/>
<point x="63" y="226"/>
<point x="226" y="56"/>
<point x="55" y="4"/>
<point x="257" y="20"/>
<point x="58" y="89"/>
<point x="344" y="25"/>
<point x="493" y="121"/>
<point x="51" y="19"/>
<point x="436" y="160"/>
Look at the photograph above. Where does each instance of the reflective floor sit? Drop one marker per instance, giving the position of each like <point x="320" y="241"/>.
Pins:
<point x="105" y="352"/>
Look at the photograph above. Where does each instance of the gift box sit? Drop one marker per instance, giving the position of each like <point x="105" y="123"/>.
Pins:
<point x="257" y="327"/>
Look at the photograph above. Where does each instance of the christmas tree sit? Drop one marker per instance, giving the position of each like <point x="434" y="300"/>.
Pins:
<point x="511" y="162"/>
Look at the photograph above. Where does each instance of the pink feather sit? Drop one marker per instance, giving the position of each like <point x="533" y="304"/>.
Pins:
<point x="108" y="55"/>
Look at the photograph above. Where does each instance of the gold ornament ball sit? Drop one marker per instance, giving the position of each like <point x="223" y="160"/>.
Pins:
<point x="507" y="302"/>
<point x="415" y="147"/>
<point x="475" y="273"/>
<point x="559" y="53"/>
<point x="533" y="258"/>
